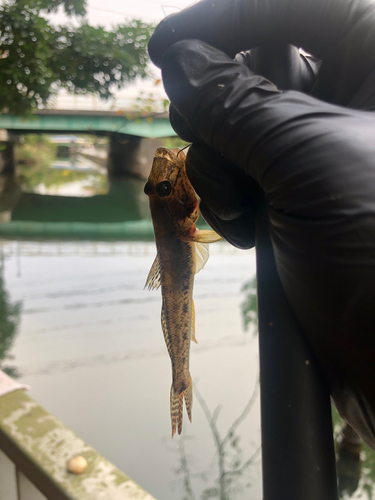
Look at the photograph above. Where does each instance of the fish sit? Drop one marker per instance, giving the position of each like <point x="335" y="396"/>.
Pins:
<point x="182" y="251"/>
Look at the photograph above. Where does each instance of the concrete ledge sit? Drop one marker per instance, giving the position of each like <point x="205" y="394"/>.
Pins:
<point x="40" y="445"/>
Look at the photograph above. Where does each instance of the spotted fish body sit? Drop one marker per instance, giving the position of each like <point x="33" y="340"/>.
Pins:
<point x="181" y="252"/>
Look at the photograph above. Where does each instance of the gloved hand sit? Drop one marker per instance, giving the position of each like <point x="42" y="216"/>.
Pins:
<point x="313" y="157"/>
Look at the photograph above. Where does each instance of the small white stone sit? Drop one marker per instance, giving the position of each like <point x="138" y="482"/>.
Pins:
<point x="76" y="464"/>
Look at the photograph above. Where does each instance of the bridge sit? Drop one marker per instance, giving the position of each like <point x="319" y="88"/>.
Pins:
<point x="46" y="121"/>
<point x="133" y="137"/>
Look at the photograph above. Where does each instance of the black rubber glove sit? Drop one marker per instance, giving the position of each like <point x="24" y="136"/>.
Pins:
<point x="314" y="161"/>
<point x="338" y="32"/>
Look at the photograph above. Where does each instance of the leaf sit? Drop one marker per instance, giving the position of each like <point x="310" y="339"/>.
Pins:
<point x="82" y="59"/>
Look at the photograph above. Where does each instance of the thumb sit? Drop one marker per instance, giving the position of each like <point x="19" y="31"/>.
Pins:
<point x="206" y="86"/>
<point x="239" y="114"/>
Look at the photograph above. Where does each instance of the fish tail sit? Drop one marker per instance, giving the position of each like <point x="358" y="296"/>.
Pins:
<point x="176" y="410"/>
<point x="188" y="394"/>
<point x="177" y="406"/>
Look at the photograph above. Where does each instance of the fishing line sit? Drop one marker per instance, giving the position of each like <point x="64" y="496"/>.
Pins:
<point x="183" y="149"/>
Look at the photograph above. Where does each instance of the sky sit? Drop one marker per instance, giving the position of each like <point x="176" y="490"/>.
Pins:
<point x="112" y="12"/>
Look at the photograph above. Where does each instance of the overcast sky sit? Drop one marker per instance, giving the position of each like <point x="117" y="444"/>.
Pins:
<point x="112" y="12"/>
<point x="115" y="11"/>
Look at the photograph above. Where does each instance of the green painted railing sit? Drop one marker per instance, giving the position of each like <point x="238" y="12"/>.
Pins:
<point x="34" y="450"/>
<point x="140" y="230"/>
<point x="90" y="122"/>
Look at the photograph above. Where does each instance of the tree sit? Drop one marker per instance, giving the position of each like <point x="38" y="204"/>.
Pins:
<point x="37" y="58"/>
<point x="9" y="321"/>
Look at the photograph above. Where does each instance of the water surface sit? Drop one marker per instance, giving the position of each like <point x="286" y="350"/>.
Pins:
<point x="90" y="345"/>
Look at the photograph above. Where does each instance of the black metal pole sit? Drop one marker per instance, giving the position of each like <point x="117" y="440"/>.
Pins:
<point x="297" y="439"/>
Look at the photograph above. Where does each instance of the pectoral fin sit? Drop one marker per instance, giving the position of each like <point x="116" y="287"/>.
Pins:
<point x="201" y="238"/>
<point x="206" y="236"/>
<point x="153" y="281"/>
<point x="201" y="256"/>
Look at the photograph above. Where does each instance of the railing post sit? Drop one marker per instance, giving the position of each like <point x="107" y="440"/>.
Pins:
<point x="297" y="438"/>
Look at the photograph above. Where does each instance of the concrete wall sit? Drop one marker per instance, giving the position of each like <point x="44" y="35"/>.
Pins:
<point x="131" y="156"/>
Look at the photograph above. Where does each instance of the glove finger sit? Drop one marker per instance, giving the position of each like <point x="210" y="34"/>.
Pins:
<point x="341" y="33"/>
<point x="238" y="232"/>
<point x="231" y="27"/>
<point x="283" y="65"/>
<point x="241" y="115"/>
<point x="181" y="128"/>
<point x="224" y="187"/>
<point x="205" y="86"/>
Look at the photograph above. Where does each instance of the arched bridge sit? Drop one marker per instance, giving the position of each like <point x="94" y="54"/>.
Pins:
<point x="133" y="136"/>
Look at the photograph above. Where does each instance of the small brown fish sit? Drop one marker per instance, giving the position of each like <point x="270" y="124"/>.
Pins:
<point x="181" y="253"/>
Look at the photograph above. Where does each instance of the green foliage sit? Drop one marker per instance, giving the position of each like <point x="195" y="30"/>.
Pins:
<point x="38" y="59"/>
<point x="9" y="321"/>
<point x="34" y="158"/>
<point x="366" y="485"/>
<point x="149" y="102"/>
<point x="174" y="142"/>
<point x="249" y="306"/>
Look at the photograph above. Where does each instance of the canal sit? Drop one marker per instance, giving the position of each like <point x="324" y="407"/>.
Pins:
<point x="77" y="326"/>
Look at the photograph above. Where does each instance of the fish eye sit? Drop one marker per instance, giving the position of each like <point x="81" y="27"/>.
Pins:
<point x="148" y="188"/>
<point x="164" y="189"/>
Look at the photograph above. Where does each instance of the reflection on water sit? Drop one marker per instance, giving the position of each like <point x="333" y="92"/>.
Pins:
<point x="41" y="168"/>
<point x="232" y="467"/>
<point x="77" y="325"/>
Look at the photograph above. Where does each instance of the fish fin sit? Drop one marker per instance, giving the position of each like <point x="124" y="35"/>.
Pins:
<point x="201" y="256"/>
<point x="153" y="281"/>
<point x="206" y="236"/>
<point x="188" y="395"/>
<point x="192" y="332"/>
<point x="177" y="406"/>
<point x="164" y="326"/>
<point x="176" y="410"/>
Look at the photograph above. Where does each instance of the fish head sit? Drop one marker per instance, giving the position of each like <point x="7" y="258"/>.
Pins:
<point x="172" y="197"/>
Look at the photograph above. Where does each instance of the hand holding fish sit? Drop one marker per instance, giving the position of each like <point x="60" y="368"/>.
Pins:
<point x="311" y="155"/>
<point x="181" y="253"/>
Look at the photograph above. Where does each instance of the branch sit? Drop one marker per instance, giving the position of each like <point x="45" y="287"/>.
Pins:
<point x="211" y="419"/>
<point x="239" y="471"/>
<point x="243" y="415"/>
<point x="185" y="470"/>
